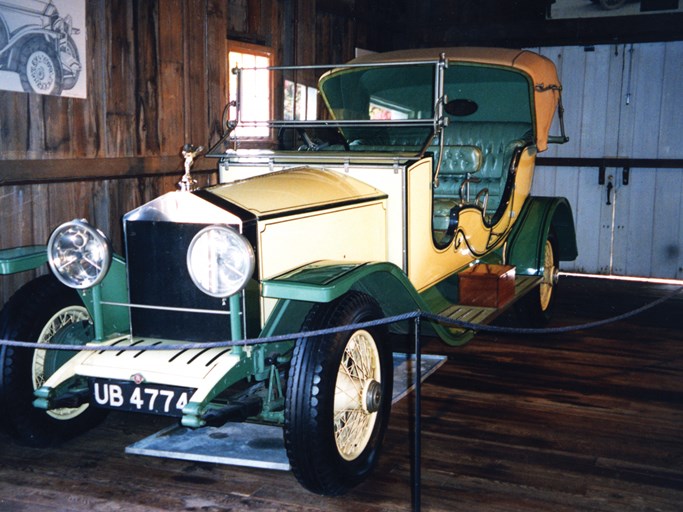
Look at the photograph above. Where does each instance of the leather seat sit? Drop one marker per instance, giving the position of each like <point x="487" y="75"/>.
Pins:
<point x="495" y="144"/>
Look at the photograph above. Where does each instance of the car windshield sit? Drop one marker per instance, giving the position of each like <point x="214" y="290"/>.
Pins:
<point x="382" y="93"/>
<point x="391" y="107"/>
<point x="472" y="93"/>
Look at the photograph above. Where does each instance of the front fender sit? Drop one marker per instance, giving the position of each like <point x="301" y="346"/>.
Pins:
<point x="113" y="288"/>
<point x="21" y="259"/>
<point x="539" y="217"/>
<point x="325" y="281"/>
<point x="23" y="37"/>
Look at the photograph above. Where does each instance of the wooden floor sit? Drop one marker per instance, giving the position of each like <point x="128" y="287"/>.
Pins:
<point x="587" y="421"/>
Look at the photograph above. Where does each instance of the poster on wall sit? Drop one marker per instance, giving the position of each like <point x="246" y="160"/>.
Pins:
<point x="599" y="8"/>
<point x="42" y="47"/>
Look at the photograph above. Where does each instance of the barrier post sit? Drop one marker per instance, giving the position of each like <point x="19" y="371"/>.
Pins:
<point x="417" y="448"/>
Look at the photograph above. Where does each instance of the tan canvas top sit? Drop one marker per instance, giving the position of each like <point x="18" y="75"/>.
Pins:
<point x="540" y="69"/>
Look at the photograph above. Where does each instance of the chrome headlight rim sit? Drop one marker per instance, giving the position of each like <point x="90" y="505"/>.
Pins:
<point x="79" y="277"/>
<point x="244" y="270"/>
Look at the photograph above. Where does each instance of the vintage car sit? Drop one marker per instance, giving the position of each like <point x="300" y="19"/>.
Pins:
<point x="37" y="43"/>
<point x="389" y="215"/>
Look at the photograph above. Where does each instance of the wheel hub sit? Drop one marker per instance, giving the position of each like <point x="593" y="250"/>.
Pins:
<point x="373" y="396"/>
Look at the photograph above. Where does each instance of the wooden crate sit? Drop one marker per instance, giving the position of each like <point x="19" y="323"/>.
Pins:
<point x="485" y="285"/>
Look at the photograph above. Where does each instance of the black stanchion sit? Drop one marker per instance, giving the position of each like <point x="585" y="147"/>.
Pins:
<point x="417" y="433"/>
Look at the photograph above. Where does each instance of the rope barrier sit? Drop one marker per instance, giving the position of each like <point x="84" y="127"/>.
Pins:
<point x="552" y="330"/>
<point x="345" y="328"/>
<point x="416" y="316"/>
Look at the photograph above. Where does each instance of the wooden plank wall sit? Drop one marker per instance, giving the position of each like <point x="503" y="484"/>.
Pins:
<point x="621" y="101"/>
<point x="157" y="79"/>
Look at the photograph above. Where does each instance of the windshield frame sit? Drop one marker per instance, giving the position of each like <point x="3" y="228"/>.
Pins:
<point x="436" y="122"/>
<point x="546" y="98"/>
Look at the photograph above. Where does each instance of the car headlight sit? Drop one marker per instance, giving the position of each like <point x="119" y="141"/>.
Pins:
<point x="79" y="254"/>
<point x="220" y="261"/>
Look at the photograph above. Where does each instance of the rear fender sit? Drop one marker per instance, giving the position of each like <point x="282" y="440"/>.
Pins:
<point x="539" y="217"/>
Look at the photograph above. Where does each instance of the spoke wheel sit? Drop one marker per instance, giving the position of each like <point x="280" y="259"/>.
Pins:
<point x="357" y="395"/>
<point x="43" y="311"/>
<point x="46" y="362"/>
<point x="550" y="272"/>
<point x="338" y="397"/>
<point x="536" y="309"/>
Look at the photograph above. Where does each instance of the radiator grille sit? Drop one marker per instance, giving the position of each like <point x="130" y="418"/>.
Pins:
<point x="156" y="253"/>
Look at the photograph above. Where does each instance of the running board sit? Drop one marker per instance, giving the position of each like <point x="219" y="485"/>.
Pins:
<point x="456" y="336"/>
<point x="483" y="315"/>
<point x="256" y="445"/>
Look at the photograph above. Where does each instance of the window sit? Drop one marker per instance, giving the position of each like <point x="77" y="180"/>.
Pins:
<point x="301" y="101"/>
<point x="379" y="109"/>
<point x="255" y="101"/>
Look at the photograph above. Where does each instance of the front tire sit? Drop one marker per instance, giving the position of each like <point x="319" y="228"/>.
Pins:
<point x="338" y="397"/>
<point x="43" y="311"/>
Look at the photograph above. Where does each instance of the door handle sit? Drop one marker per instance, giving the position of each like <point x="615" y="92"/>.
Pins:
<point x="610" y="186"/>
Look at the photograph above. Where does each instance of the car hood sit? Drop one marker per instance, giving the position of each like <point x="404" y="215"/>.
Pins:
<point x="298" y="190"/>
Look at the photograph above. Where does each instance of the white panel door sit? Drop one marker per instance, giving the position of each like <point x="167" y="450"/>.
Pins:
<point x="621" y="101"/>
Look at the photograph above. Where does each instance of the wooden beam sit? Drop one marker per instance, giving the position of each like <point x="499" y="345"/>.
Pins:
<point x="645" y="163"/>
<point x="14" y="172"/>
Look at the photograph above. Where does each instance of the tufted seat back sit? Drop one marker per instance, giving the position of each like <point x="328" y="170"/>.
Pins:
<point x="496" y="144"/>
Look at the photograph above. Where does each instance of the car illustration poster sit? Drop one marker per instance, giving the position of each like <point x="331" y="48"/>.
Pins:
<point x="559" y="9"/>
<point x="43" y="47"/>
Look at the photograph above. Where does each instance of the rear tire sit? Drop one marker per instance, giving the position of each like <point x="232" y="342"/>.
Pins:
<point x="42" y="311"/>
<point x="338" y="397"/>
<point x="536" y="309"/>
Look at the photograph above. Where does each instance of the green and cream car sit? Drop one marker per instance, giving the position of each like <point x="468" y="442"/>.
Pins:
<point x="419" y="174"/>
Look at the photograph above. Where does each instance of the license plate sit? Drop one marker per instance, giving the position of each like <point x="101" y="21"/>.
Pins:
<point x="129" y="396"/>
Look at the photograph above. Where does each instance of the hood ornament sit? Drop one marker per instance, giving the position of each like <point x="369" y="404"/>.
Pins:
<point x="189" y="152"/>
